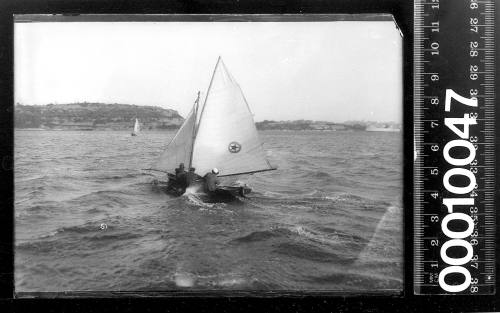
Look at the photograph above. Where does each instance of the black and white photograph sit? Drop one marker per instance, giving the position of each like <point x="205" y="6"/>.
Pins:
<point x="208" y="154"/>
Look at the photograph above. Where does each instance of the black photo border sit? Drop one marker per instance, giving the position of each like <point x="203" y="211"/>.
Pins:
<point x="402" y="10"/>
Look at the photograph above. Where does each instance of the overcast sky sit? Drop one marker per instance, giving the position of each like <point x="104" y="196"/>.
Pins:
<point x="334" y="71"/>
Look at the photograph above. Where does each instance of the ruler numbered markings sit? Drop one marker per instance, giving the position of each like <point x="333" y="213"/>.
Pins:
<point x="454" y="130"/>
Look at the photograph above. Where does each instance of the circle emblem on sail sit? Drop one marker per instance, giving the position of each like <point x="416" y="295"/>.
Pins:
<point x="234" y="147"/>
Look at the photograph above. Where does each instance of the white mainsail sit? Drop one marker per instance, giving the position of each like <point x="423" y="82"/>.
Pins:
<point x="226" y="137"/>
<point x="136" y="127"/>
<point x="180" y="147"/>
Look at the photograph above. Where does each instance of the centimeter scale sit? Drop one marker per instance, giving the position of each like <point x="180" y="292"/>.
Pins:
<point x="454" y="170"/>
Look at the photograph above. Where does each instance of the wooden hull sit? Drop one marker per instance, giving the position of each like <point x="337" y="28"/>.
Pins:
<point x="241" y="191"/>
<point x="221" y="192"/>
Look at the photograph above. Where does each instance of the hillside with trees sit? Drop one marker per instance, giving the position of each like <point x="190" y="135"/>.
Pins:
<point x="90" y="116"/>
<point x="306" y="125"/>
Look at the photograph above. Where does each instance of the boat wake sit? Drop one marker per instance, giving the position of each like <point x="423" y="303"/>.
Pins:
<point x="194" y="190"/>
<point x="194" y="195"/>
<point x="197" y="200"/>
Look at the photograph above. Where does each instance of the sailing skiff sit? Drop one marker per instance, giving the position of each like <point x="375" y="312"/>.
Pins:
<point x="221" y="134"/>
<point x="136" y="130"/>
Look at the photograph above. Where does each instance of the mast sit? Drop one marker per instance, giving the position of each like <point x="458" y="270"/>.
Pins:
<point x="194" y="130"/>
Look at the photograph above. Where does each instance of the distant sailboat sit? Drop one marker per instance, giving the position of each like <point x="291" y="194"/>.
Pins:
<point x="221" y="135"/>
<point x="136" y="130"/>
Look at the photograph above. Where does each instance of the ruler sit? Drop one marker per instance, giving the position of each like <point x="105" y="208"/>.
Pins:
<point x="454" y="170"/>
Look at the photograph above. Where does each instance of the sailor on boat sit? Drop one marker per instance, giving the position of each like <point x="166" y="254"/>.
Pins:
<point x="180" y="173"/>
<point x="211" y="181"/>
<point x="191" y="176"/>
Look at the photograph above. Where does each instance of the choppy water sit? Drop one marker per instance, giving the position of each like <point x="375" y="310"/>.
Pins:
<point x="87" y="217"/>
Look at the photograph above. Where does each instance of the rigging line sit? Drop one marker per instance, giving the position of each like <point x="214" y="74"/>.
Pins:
<point x="251" y="172"/>
<point x="153" y="169"/>
<point x="206" y="97"/>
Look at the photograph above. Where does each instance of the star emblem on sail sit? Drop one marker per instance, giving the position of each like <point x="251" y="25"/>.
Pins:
<point x="234" y="147"/>
<point x="225" y="117"/>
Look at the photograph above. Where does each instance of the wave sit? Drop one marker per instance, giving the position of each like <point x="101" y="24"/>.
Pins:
<point x="95" y="211"/>
<point x="79" y="229"/>
<point x="343" y="204"/>
<point x="317" y="175"/>
<point x="116" y="176"/>
<point x="278" y="196"/>
<point x="36" y="247"/>
<point x="274" y="232"/>
<point x="340" y="197"/>
<point x="113" y="236"/>
<point x="108" y="198"/>
<point x="38" y="178"/>
<point x="329" y="236"/>
<point x="29" y="191"/>
<point x="40" y="208"/>
<point x="66" y="237"/>
<point x="324" y="235"/>
<point x="343" y="236"/>
<point x="112" y="226"/>
<point x="256" y="236"/>
<point x="312" y="195"/>
<point x="312" y="253"/>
